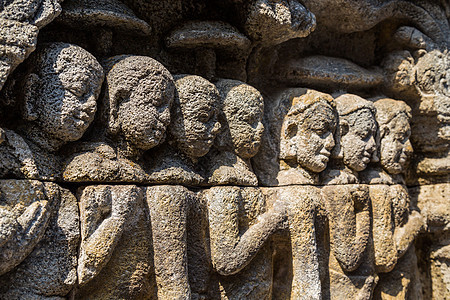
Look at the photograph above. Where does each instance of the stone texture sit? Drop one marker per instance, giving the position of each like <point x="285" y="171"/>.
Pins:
<point x="20" y="23"/>
<point x="320" y="71"/>
<point x="91" y="14"/>
<point x="115" y="256"/>
<point x="235" y="149"/>
<point x="57" y="105"/>
<point x="275" y="21"/>
<point x="45" y="241"/>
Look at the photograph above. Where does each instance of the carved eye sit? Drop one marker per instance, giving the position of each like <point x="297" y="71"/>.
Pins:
<point x="77" y="92"/>
<point x="204" y="117"/>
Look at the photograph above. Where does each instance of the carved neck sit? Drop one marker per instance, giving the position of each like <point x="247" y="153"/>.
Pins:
<point x="377" y="175"/>
<point x="37" y="136"/>
<point x="292" y="173"/>
<point x="128" y="150"/>
<point x="339" y="173"/>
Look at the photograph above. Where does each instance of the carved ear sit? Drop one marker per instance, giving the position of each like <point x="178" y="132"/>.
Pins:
<point x="337" y="151"/>
<point x="30" y="97"/>
<point x="291" y="129"/>
<point x="287" y="146"/>
<point x="383" y="131"/>
<point x="223" y="137"/>
<point x="113" y="110"/>
<point x="343" y="127"/>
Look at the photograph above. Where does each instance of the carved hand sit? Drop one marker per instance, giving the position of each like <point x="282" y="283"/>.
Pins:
<point x="279" y="213"/>
<point x="30" y="228"/>
<point x="97" y="249"/>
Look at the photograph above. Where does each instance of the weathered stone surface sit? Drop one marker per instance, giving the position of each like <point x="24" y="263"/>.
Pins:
<point x="110" y="13"/>
<point x="20" y="22"/>
<point x="239" y="227"/>
<point x="237" y="149"/>
<point x="39" y="254"/>
<point x="61" y="86"/>
<point x="327" y="72"/>
<point x="136" y="103"/>
<point x="299" y="139"/>
<point x="355" y="146"/>
<point x="115" y="256"/>
<point x="275" y="21"/>
<point x="241" y="113"/>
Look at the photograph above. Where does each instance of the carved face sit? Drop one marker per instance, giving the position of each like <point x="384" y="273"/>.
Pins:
<point x="144" y="118"/>
<point x="395" y="147"/>
<point x="246" y="133"/>
<point x="309" y="137"/>
<point x="358" y="145"/>
<point x="195" y="124"/>
<point x="61" y="99"/>
<point x="243" y="109"/>
<point x="67" y="102"/>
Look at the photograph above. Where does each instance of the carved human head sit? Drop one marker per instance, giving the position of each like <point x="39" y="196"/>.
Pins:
<point x="243" y="108"/>
<point x="139" y="95"/>
<point x="194" y="115"/>
<point x="357" y="131"/>
<point x="394" y="131"/>
<point x="61" y="87"/>
<point x="307" y="133"/>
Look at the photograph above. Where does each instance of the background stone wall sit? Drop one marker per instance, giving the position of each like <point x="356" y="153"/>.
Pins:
<point x="237" y="149"/>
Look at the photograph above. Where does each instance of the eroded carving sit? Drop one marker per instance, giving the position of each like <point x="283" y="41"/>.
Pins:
<point x="238" y="180"/>
<point x="20" y="23"/>
<point x="40" y="237"/>
<point x="61" y="87"/>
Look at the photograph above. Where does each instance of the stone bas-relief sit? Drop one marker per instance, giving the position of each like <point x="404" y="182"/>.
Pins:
<point x="40" y="240"/>
<point x="237" y="150"/>
<point x="57" y="101"/>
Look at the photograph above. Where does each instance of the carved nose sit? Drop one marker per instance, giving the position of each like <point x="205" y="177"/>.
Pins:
<point x="260" y="128"/>
<point x="408" y="148"/>
<point x="371" y="145"/>
<point x="329" y="142"/>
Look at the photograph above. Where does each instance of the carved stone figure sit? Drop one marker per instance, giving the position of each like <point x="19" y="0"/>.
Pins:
<point x="282" y="168"/>
<point x="348" y="204"/>
<point x="20" y="22"/>
<point x="356" y="139"/>
<point x="242" y="108"/>
<point x="305" y="146"/>
<point x="61" y="87"/>
<point x="138" y="97"/>
<point x="115" y="256"/>
<point x="306" y="138"/>
<point x="192" y="131"/>
<point x="239" y="226"/>
<point x="395" y="224"/>
<point x="39" y="240"/>
<point x="394" y="145"/>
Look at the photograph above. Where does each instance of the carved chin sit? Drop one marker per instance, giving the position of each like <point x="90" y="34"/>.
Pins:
<point x="317" y="165"/>
<point x="393" y="168"/>
<point x="248" y="151"/>
<point x="198" y="148"/>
